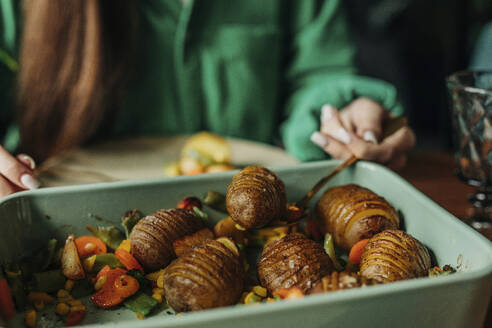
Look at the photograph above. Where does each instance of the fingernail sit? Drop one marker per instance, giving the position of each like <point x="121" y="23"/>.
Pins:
<point x="319" y="139"/>
<point x="327" y="112"/>
<point x="32" y="163"/>
<point x="370" y="137"/>
<point x="342" y="135"/>
<point x="29" y="181"/>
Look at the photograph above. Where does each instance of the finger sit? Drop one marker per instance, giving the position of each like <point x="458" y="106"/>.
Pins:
<point x="332" y="126"/>
<point x="7" y="187"/>
<point x="398" y="162"/>
<point x="331" y="146"/>
<point x="16" y="172"/>
<point x="367" y="117"/>
<point x="27" y="161"/>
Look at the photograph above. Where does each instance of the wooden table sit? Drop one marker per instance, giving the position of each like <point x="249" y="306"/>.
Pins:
<point x="433" y="173"/>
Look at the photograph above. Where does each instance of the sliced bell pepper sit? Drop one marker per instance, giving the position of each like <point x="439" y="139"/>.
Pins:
<point x="356" y="251"/>
<point x="128" y="260"/>
<point x="117" y="288"/>
<point x="74" y="318"/>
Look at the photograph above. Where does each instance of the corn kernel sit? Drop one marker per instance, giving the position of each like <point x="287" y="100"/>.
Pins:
<point x="238" y="227"/>
<point x="157" y="297"/>
<point x="260" y="291"/>
<point x="62" y="293"/>
<point x="270" y="300"/>
<point x="69" y="285"/>
<point x="62" y="309"/>
<point x="77" y="308"/>
<point x="140" y="316"/>
<point x="34" y="297"/>
<point x="159" y="291"/>
<point x="30" y="318"/>
<point x="100" y="282"/>
<point x="160" y="281"/>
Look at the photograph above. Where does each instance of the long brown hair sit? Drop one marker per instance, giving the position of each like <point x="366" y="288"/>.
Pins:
<point x="74" y="55"/>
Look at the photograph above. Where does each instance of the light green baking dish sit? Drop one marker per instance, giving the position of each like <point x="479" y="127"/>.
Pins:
<point x="29" y="218"/>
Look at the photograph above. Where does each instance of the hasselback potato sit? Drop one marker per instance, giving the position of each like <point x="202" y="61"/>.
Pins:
<point x="293" y="260"/>
<point x="393" y="255"/>
<point x="209" y="275"/>
<point x="255" y="197"/>
<point x="339" y="281"/>
<point x="351" y="213"/>
<point x="153" y="236"/>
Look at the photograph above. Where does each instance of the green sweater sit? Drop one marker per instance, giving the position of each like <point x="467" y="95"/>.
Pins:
<point x="256" y="69"/>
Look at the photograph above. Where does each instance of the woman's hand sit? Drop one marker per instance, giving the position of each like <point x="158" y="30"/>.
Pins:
<point x="16" y="173"/>
<point x="357" y="130"/>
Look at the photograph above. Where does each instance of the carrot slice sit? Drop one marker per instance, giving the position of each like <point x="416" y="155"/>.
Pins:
<point x="90" y="245"/>
<point x="356" y="251"/>
<point x="7" y="310"/>
<point x="128" y="260"/>
<point x="126" y="285"/>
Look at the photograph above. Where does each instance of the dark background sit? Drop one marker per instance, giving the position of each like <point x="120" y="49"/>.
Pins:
<point x="415" y="44"/>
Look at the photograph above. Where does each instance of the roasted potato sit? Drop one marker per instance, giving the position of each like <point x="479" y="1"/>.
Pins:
<point x="153" y="236"/>
<point x="393" y="255"/>
<point x="255" y="197"/>
<point x="351" y="213"/>
<point x="293" y="261"/>
<point x="209" y="275"/>
<point x="339" y="281"/>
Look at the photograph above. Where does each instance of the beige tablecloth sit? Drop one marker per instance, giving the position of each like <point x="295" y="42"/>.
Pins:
<point x="144" y="158"/>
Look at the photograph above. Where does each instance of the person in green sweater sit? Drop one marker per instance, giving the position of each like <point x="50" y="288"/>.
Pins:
<point x="78" y="71"/>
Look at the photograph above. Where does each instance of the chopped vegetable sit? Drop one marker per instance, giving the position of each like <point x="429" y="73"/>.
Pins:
<point x="129" y="220"/>
<point x="110" y="235"/>
<point x="201" y="214"/>
<point x="7" y="309"/>
<point x="96" y="262"/>
<point x="189" y="203"/>
<point x="71" y="266"/>
<point x="260" y="291"/>
<point x="289" y="293"/>
<point x="437" y="271"/>
<point x="126" y="245"/>
<point x="48" y="281"/>
<point x="30" y="318"/>
<point x="154" y="275"/>
<point x="137" y="274"/>
<point x="252" y="298"/>
<point x="215" y="200"/>
<point x="17" y="287"/>
<point x="128" y="260"/>
<point x="330" y="250"/>
<point x="356" y="251"/>
<point x="141" y="303"/>
<point x="227" y="228"/>
<point x="90" y="245"/>
<point x="74" y="318"/>
<point x="116" y="289"/>
<point x="62" y="309"/>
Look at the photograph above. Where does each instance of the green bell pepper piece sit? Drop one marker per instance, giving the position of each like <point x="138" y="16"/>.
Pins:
<point x="110" y="235"/>
<point x="141" y="303"/>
